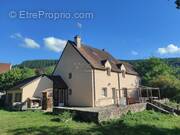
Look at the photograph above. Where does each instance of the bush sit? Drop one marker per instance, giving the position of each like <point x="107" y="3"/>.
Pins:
<point x="176" y="98"/>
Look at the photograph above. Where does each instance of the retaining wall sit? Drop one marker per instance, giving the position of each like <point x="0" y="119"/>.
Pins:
<point x="104" y="114"/>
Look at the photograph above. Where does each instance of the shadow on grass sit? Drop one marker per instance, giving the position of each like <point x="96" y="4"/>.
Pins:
<point x="108" y="128"/>
<point x="7" y="109"/>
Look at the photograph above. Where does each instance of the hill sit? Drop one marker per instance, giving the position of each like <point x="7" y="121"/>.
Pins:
<point x="175" y="62"/>
<point x="37" y="64"/>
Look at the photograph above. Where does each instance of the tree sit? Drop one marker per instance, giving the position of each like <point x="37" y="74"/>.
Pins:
<point x="27" y="72"/>
<point x="49" y="70"/>
<point x="155" y="72"/>
<point x="152" y="68"/>
<point x="177" y="4"/>
<point x="168" y="85"/>
<point x="9" y="79"/>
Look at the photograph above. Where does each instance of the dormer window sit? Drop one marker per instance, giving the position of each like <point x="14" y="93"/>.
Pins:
<point x="107" y="66"/>
<point x="122" y="68"/>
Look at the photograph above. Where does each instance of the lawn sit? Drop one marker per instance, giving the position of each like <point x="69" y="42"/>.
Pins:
<point x="38" y="123"/>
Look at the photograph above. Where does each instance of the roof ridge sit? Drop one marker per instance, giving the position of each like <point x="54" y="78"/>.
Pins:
<point x="94" y="57"/>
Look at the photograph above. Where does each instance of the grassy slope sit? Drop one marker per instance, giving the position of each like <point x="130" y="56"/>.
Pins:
<point x="143" y="123"/>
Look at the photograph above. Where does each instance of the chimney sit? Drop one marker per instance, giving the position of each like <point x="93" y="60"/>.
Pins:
<point x="77" y="40"/>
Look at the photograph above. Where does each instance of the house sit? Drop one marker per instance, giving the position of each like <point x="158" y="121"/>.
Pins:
<point x="84" y="76"/>
<point x="93" y="77"/>
<point x="28" y="93"/>
<point x="4" y="67"/>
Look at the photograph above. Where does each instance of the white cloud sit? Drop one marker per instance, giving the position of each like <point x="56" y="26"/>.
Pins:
<point x="16" y="36"/>
<point x="170" y="49"/>
<point x="30" y="43"/>
<point x="79" y="25"/>
<point x="26" y="42"/>
<point x="134" y="52"/>
<point x="54" y="44"/>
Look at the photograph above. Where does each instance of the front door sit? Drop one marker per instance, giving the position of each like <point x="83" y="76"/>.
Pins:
<point x="60" y="97"/>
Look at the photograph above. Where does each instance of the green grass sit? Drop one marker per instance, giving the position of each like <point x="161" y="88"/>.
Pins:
<point x="38" y="123"/>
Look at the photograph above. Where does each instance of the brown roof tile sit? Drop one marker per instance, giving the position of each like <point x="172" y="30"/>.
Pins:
<point x="96" y="57"/>
<point x="4" y="67"/>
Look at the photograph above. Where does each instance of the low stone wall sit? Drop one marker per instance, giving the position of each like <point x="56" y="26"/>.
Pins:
<point x="117" y="112"/>
<point x="168" y="108"/>
<point x="79" y="114"/>
<point x="106" y="113"/>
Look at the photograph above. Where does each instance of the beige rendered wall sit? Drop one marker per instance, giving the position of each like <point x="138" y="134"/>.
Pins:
<point x="35" y="88"/>
<point x="103" y="80"/>
<point x="129" y="82"/>
<point x="81" y="82"/>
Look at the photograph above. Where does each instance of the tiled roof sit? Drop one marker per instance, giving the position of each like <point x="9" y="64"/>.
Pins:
<point x="58" y="82"/>
<point x="4" y="67"/>
<point x="24" y="82"/>
<point x="96" y="58"/>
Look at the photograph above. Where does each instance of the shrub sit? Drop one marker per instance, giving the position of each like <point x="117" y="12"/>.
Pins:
<point x="176" y="98"/>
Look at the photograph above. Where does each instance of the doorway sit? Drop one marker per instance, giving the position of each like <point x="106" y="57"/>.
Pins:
<point x="9" y="99"/>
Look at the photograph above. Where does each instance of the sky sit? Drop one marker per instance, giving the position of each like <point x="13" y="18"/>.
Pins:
<point x="136" y="29"/>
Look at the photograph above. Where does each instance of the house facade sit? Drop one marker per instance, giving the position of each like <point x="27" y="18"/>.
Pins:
<point x="28" y="93"/>
<point x="93" y="77"/>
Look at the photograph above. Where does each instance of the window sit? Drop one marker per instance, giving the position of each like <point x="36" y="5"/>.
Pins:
<point x="108" y="71"/>
<point x="18" y="97"/>
<point x="70" y="75"/>
<point x="125" y="94"/>
<point x="104" y="92"/>
<point x="70" y="91"/>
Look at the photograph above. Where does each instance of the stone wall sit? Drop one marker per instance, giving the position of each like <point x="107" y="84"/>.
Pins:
<point x="106" y="113"/>
<point x="117" y="112"/>
<point x="79" y="114"/>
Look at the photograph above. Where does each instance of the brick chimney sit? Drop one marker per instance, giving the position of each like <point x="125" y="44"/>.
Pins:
<point x="77" y="40"/>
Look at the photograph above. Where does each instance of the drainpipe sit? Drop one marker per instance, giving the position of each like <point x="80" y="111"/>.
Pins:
<point x="94" y="90"/>
<point x="119" y="86"/>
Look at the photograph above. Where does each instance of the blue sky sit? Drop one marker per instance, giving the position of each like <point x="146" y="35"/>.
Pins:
<point x="134" y="29"/>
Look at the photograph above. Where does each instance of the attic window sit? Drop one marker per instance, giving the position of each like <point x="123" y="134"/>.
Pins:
<point x="108" y="71"/>
<point x="119" y="66"/>
<point x="70" y="75"/>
